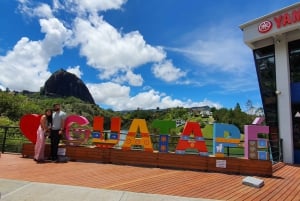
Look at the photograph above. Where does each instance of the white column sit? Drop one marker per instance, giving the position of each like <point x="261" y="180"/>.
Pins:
<point x="284" y="98"/>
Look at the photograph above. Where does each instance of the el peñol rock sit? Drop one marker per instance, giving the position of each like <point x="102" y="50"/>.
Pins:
<point x="64" y="84"/>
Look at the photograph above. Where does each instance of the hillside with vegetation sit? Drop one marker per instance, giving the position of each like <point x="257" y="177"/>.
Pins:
<point x="13" y="105"/>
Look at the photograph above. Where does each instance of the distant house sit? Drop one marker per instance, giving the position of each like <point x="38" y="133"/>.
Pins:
<point x="203" y="111"/>
<point x="179" y="122"/>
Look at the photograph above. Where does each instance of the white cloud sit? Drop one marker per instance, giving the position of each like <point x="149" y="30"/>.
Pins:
<point x="168" y="102"/>
<point x="145" y="100"/>
<point x="224" y="62"/>
<point x="167" y="71"/>
<point x="75" y="70"/>
<point x="109" y="93"/>
<point x="94" y="6"/>
<point x="56" y="35"/>
<point x="105" y="93"/>
<point x="57" y="5"/>
<point x="28" y="62"/>
<point x="2" y="88"/>
<point x="41" y="10"/>
<point x="130" y="78"/>
<point x="221" y="47"/>
<point x="219" y="58"/>
<point x="221" y="55"/>
<point x="110" y="51"/>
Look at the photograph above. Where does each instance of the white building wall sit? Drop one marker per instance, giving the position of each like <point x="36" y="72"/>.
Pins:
<point x="284" y="98"/>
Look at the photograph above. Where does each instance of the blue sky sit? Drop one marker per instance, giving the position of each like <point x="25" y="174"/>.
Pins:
<point x="135" y="53"/>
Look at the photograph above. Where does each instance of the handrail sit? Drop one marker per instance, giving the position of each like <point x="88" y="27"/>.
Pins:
<point x="6" y="132"/>
<point x="15" y="131"/>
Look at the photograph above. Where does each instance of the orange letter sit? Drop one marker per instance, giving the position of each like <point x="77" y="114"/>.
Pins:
<point x="138" y="126"/>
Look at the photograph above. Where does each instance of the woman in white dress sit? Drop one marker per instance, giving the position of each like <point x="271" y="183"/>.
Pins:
<point x="42" y="132"/>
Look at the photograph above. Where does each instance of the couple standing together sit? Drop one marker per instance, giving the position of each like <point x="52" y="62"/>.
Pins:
<point x="52" y="125"/>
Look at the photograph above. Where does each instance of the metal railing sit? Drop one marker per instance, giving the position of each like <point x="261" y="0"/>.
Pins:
<point x="12" y="139"/>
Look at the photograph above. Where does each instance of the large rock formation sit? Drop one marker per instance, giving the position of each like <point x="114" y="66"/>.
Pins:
<point x="64" y="84"/>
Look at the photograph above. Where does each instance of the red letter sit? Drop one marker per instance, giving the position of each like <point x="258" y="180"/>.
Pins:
<point x="296" y="15"/>
<point x="278" y="21"/>
<point x="192" y="138"/>
<point x="286" y="19"/>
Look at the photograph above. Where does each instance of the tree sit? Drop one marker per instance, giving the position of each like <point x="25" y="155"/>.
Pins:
<point x="237" y="108"/>
<point x="236" y="117"/>
<point x="250" y="108"/>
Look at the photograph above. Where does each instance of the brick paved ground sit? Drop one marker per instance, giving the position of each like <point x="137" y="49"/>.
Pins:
<point x="284" y="185"/>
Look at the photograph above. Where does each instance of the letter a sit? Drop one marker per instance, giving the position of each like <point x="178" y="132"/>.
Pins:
<point x="138" y="126"/>
<point x="192" y="138"/>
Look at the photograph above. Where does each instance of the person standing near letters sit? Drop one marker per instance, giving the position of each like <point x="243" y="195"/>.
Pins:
<point x="42" y="132"/>
<point x="58" y="126"/>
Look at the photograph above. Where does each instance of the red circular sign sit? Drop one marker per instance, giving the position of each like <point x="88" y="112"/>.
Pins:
<point x="265" y="26"/>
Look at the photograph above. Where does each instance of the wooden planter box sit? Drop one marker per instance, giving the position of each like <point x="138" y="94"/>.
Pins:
<point x="162" y="160"/>
<point x="180" y="161"/>
<point x="28" y="150"/>
<point x="225" y="165"/>
<point x="139" y="158"/>
<point x="90" y="154"/>
<point x="240" y="166"/>
<point x="74" y="153"/>
<point x="256" y="167"/>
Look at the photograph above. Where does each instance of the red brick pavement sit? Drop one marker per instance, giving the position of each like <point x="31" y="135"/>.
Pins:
<point x="284" y="185"/>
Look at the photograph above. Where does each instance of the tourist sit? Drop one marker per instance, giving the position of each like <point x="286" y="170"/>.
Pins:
<point x="58" y="125"/>
<point x="42" y="132"/>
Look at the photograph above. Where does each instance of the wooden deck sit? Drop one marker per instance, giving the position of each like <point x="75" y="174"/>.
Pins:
<point x="162" y="160"/>
<point x="283" y="185"/>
